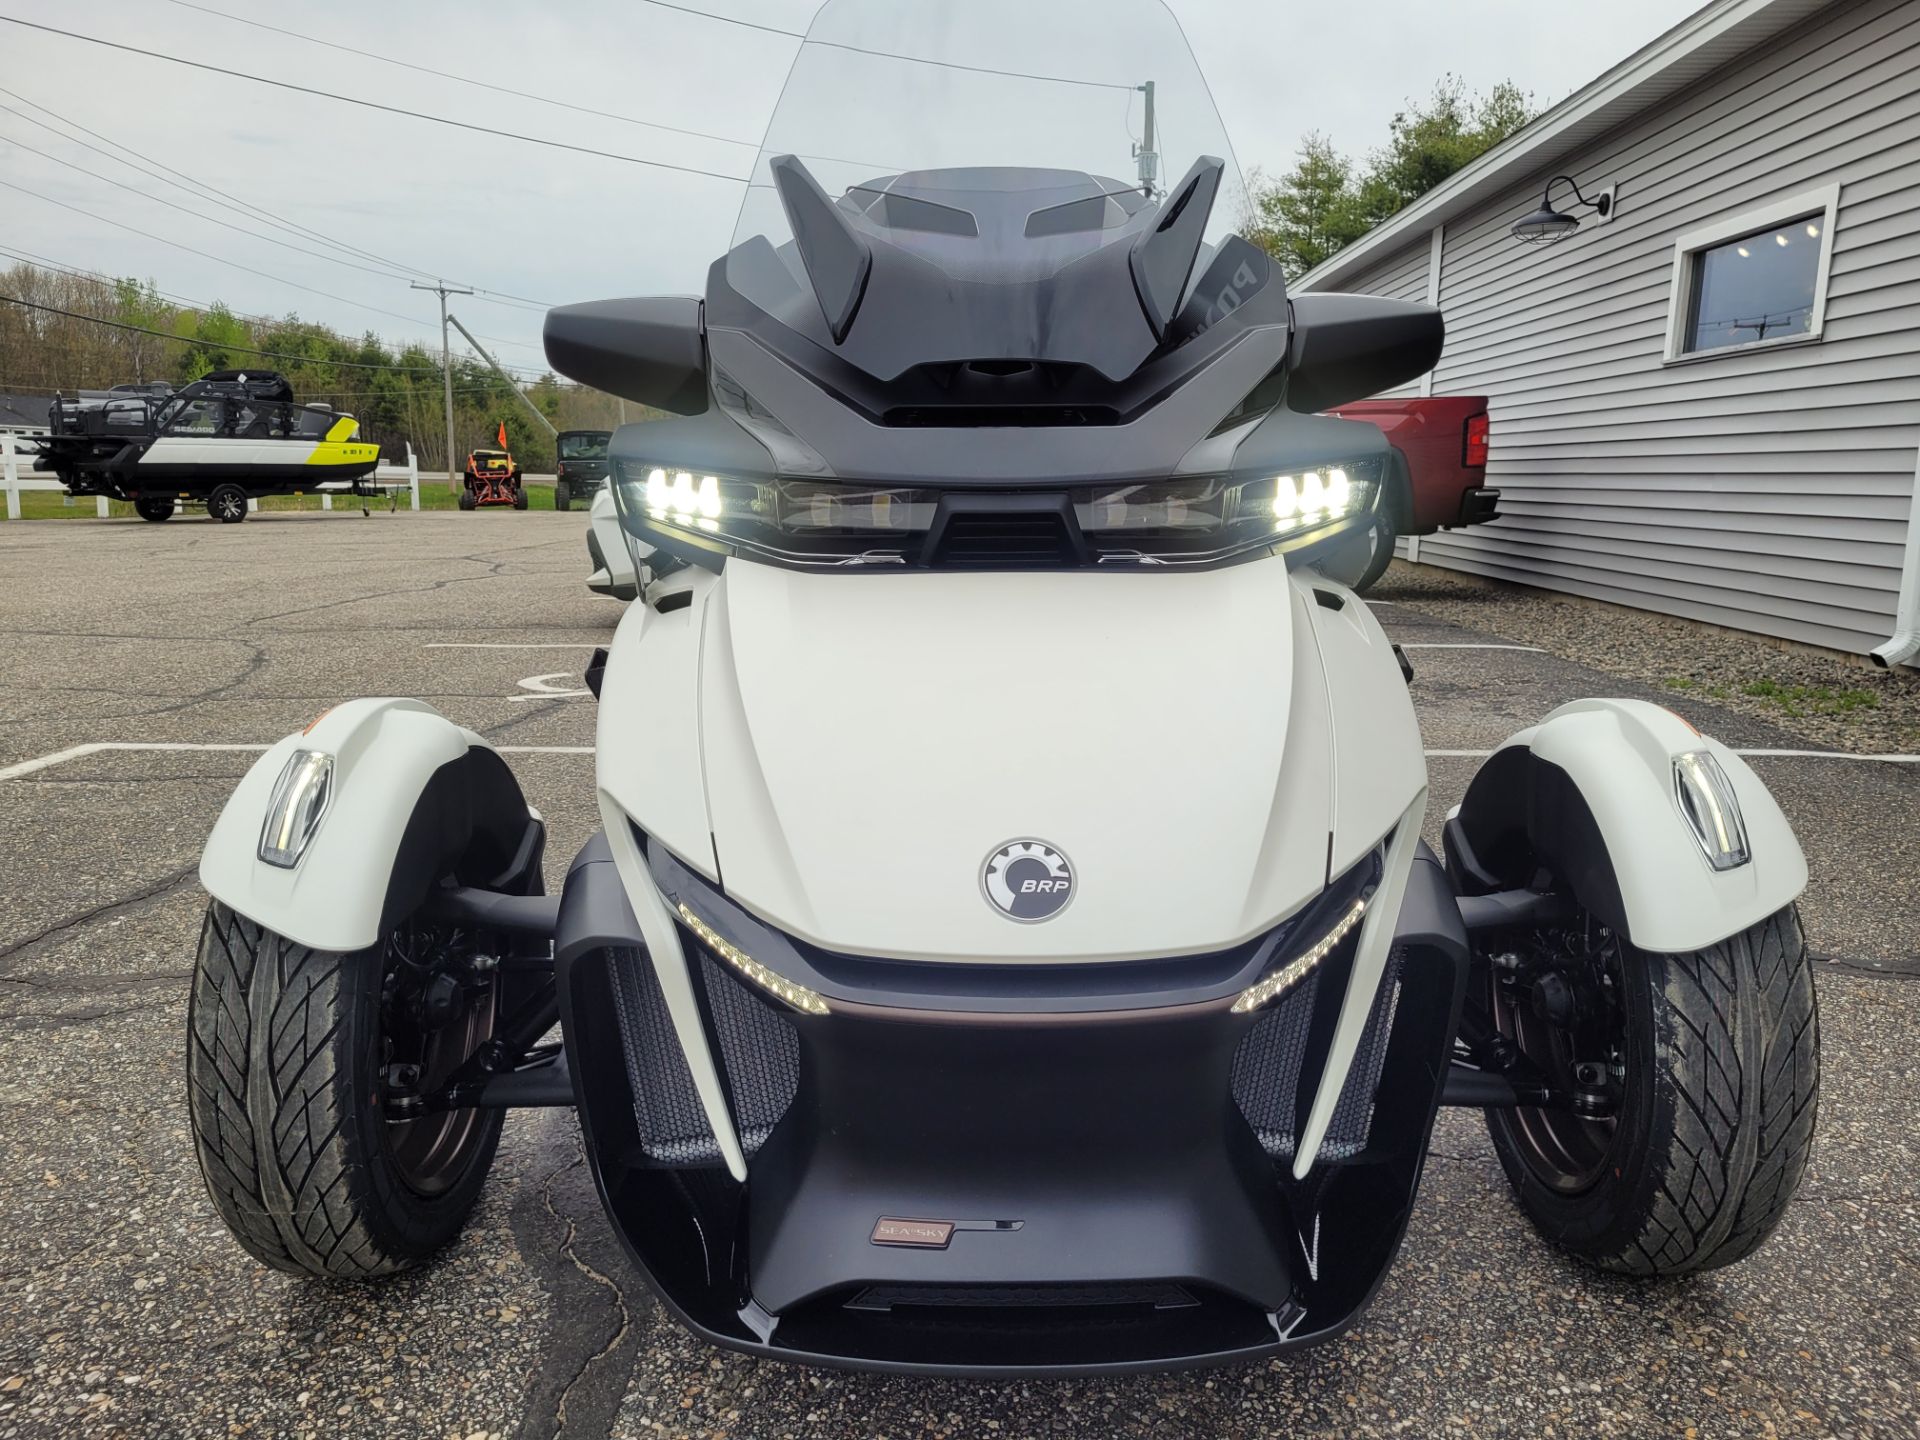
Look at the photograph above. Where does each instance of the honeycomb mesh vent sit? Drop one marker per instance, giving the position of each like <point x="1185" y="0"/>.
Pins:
<point x="1266" y="1070"/>
<point x="758" y="1048"/>
<point x="673" y="1126"/>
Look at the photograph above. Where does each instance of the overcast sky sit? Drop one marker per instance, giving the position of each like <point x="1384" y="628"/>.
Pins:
<point x="556" y="226"/>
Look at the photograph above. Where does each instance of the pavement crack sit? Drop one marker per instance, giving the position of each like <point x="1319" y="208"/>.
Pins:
<point x="158" y="890"/>
<point x="593" y="1275"/>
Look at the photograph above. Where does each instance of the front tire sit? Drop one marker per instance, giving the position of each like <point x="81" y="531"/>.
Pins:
<point x="289" y="1059"/>
<point x="1716" y="1076"/>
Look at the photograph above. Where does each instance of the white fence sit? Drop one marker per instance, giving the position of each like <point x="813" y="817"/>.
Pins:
<point x="16" y="474"/>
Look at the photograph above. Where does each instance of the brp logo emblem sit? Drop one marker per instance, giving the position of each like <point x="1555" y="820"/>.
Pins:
<point x="1027" y="880"/>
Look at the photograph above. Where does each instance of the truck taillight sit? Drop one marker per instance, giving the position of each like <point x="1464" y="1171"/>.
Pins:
<point x="1476" y="447"/>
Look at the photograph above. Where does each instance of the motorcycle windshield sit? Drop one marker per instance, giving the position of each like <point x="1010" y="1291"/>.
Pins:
<point x="1000" y="140"/>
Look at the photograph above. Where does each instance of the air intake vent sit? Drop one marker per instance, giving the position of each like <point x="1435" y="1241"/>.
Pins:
<point x="968" y="417"/>
<point x="1004" y="532"/>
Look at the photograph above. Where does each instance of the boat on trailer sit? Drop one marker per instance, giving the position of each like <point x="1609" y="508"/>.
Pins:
<point x="220" y="441"/>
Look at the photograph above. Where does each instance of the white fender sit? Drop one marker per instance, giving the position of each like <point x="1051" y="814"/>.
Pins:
<point x="1620" y="755"/>
<point x="384" y="753"/>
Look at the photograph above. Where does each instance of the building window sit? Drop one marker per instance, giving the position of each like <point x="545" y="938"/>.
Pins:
<point x="1754" y="279"/>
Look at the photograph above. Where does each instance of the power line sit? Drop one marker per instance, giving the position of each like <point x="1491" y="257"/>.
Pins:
<point x="184" y="181"/>
<point x="373" y="104"/>
<point x="217" y="259"/>
<point x="211" y="219"/>
<point x="247" y="207"/>
<point x="220" y="345"/>
<point x="27" y="257"/>
<point x="215" y="344"/>
<point x="726" y="19"/>
<point x="41" y="262"/>
<point x="956" y="65"/>
<point x="196" y="214"/>
<point x="472" y="80"/>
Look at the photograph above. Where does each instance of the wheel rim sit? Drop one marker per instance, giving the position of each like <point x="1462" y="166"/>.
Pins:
<point x="1564" y="1150"/>
<point x="230" y="506"/>
<point x="431" y="1152"/>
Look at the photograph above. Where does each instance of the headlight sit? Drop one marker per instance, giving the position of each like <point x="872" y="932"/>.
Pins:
<point x="1706" y="798"/>
<point x="828" y="523"/>
<point x="294" y="810"/>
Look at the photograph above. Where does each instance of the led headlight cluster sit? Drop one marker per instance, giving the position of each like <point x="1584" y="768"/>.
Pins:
<point x="1298" y="968"/>
<point x="798" y="996"/>
<point x="1197" y="520"/>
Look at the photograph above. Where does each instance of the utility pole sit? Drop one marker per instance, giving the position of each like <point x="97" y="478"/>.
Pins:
<point x="446" y="365"/>
<point x="1145" y="152"/>
<point x="512" y="384"/>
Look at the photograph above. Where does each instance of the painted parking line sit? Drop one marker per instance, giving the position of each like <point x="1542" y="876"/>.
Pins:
<point x="1744" y="754"/>
<point x="97" y="747"/>
<point x="542" y="687"/>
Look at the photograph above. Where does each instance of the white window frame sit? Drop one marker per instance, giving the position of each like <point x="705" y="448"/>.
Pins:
<point x="1826" y="199"/>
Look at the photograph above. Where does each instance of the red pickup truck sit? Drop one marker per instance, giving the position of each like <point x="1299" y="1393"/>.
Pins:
<point x="1441" y="443"/>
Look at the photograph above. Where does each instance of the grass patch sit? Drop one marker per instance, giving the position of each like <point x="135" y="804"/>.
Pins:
<point x="1795" y="700"/>
<point x="1798" y="700"/>
<point x="434" y="495"/>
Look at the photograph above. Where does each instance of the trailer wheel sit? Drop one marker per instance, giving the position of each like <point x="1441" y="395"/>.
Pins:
<point x="562" y="496"/>
<point x="298" y="1062"/>
<point x="1709" y="1066"/>
<point x="154" y="507"/>
<point x="227" y="504"/>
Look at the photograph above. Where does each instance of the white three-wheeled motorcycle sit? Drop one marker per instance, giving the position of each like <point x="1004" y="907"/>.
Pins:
<point x="1010" y="945"/>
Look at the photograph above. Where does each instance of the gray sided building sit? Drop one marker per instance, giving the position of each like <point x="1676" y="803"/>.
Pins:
<point x="1707" y="404"/>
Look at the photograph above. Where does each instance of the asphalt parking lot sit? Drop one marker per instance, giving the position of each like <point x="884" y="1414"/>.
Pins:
<point x="126" y="1310"/>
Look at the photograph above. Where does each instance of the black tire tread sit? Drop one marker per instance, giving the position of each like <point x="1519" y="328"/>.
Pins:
<point x="283" y="1145"/>
<point x="1737" y="1030"/>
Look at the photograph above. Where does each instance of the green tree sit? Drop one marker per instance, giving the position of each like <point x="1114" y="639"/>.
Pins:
<point x="1310" y="212"/>
<point x="1427" y="142"/>
<point x="1326" y="201"/>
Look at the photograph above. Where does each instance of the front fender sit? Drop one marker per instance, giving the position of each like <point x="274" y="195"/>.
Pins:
<point x="414" y="798"/>
<point x="1589" y="794"/>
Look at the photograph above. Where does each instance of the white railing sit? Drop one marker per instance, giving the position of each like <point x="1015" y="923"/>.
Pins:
<point x="389" y="477"/>
<point x="16" y="474"/>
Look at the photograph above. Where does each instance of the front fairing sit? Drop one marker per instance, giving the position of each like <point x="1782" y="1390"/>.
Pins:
<point x="846" y="752"/>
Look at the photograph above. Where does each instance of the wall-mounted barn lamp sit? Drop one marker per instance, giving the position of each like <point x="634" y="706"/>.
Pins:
<point x="1547" y="225"/>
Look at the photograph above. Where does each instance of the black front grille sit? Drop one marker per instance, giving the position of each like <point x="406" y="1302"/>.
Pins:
<point x="1160" y="1295"/>
<point x="1005" y="541"/>
<point x="759" y="1056"/>
<point x="966" y="417"/>
<point x="1267" y="1068"/>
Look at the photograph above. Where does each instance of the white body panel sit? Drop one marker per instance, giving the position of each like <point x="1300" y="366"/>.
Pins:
<point x="384" y="751"/>
<point x="1620" y="755"/>
<point x="215" y="452"/>
<point x="619" y="576"/>
<point x="1379" y="763"/>
<point x="854" y="747"/>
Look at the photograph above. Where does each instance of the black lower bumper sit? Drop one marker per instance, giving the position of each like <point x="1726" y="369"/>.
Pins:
<point x="994" y="1191"/>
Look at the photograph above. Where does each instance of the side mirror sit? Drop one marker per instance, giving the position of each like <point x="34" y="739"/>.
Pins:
<point x="1347" y="347"/>
<point x="651" y="350"/>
